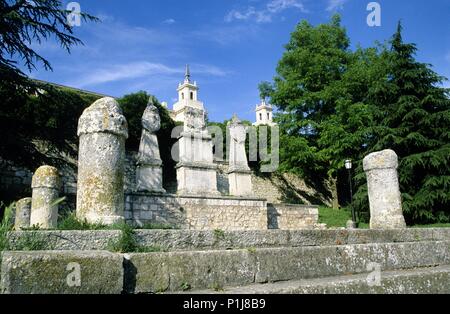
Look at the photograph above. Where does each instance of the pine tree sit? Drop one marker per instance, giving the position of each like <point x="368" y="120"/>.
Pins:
<point x="412" y="116"/>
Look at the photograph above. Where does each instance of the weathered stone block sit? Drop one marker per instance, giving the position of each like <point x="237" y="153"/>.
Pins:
<point x="62" y="272"/>
<point x="158" y="272"/>
<point x="23" y="213"/>
<point x="384" y="190"/>
<point x="44" y="210"/>
<point x="102" y="130"/>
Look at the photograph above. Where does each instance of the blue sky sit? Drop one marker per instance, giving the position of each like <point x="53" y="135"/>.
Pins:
<point x="231" y="45"/>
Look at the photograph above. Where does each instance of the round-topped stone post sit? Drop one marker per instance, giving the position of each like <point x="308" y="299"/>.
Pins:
<point x="384" y="190"/>
<point x="102" y="130"/>
<point x="44" y="209"/>
<point x="23" y="213"/>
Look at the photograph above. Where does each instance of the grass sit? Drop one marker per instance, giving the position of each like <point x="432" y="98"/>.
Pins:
<point x="6" y="226"/>
<point x="438" y="225"/>
<point x="127" y="242"/>
<point x="31" y="241"/>
<point x="334" y="218"/>
<point x="71" y="222"/>
<point x="155" y="226"/>
<point x="337" y="218"/>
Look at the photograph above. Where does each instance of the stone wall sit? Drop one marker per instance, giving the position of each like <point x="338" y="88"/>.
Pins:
<point x="223" y="212"/>
<point x="292" y="217"/>
<point x="197" y="213"/>
<point x="16" y="181"/>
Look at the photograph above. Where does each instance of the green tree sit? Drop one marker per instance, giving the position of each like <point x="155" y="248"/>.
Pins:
<point x="412" y="116"/>
<point x="306" y="91"/>
<point x="133" y="106"/>
<point x="25" y="22"/>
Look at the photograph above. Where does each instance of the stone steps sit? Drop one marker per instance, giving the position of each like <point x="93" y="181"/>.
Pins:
<point x="407" y="266"/>
<point x="430" y="280"/>
<point x="197" y="270"/>
<point x="186" y="240"/>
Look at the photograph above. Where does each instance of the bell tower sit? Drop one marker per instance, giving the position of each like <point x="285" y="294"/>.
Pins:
<point x="187" y="97"/>
<point x="264" y="114"/>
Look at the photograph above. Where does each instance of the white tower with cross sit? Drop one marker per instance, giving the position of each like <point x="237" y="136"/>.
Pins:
<point x="187" y="97"/>
<point x="264" y="114"/>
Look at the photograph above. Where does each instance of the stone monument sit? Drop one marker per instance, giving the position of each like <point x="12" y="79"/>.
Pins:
<point x="149" y="170"/>
<point x="384" y="191"/>
<point x="239" y="173"/>
<point x="23" y="212"/>
<point x="196" y="171"/>
<point x="102" y="130"/>
<point x="44" y="210"/>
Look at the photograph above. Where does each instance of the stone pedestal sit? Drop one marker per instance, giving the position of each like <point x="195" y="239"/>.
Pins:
<point x="196" y="171"/>
<point x="23" y="213"/>
<point x="240" y="183"/>
<point x="44" y="210"/>
<point x="149" y="166"/>
<point x="384" y="191"/>
<point x="149" y="177"/>
<point x="102" y="130"/>
<point x="239" y="174"/>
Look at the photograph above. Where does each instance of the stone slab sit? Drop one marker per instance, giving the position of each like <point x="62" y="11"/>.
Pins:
<point x="176" y="240"/>
<point x="61" y="272"/>
<point x="433" y="280"/>
<point x="175" y="271"/>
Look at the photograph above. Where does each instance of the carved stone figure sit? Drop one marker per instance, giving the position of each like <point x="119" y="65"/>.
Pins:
<point x="384" y="190"/>
<point x="103" y="130"/>
<point x="239" y="174"/>
<point x="149" y="170"/>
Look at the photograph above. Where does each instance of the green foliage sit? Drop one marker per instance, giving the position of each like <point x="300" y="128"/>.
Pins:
<point x="71" y="222"/>
<point x="23" y="23"/>
<point x="6" y="225"/>
<point x="335" y="104"/>
<point x="219" y="234"/>
<point x="51" y="117"/>
<point x="155" y="226"/>
<point x="411" y="116"/>
<point x="265" y="90"/>
<point x="31" y="241"/>
<point x="185" y="286"/>
<point x="127" y="241"/>
<point x="133" y="106"/>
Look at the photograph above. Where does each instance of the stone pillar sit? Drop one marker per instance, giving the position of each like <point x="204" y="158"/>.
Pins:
<point x="23" y="212"/>
<point x="149" y="170"/>
<point x="239" y="174"/>
<point x="196" y="171"/>
<point x="384" y="190"/>
<point x="45" y="185"/>
<point x="102" y="130"/>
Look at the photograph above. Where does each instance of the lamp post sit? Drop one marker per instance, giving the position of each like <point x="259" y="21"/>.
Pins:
<point x="349" y="166"/>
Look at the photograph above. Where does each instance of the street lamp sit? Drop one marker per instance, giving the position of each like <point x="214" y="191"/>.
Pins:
<point x="349" y="166"/>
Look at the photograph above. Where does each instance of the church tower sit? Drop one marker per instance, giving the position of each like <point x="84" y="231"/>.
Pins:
<point x="187" y="97"/>
<point x="264" y="114"/>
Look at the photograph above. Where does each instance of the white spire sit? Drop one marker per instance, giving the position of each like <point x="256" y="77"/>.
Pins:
<point x="187" y="75"/>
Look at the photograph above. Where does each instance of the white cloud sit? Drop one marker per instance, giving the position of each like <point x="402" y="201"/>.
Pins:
<point x="276" y="6"/>
<point x="226" y="35"/>
<point x="135" y="70"/>
<point x="251" y="13"/>
<point x="169" y="22"/>
<point x="265" y="15"/>
<point x="334" y="5"/>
